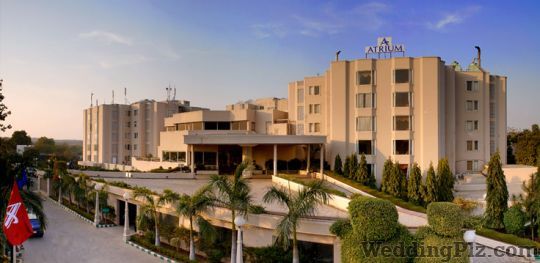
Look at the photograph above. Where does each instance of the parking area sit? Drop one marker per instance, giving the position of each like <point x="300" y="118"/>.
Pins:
<point x="69" y="239"/>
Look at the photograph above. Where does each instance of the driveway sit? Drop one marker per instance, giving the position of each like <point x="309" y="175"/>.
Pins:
<point x="69" y="239"/>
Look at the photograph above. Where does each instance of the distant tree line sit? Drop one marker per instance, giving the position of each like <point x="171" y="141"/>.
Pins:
<point x="524" y="146"/>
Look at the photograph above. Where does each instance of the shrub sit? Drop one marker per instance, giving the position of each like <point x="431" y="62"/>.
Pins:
<point x="362" y="171"/>
<point x="435" y="248"/>
<point x="514" y="220"/>
<point x="414" y="185"/>
<point x="445" y="218"/>
<point x="386" y="174"/>
<point x="353" y="166"/>
<point x="294" y="164"/>
<point x="472" y="222"/>
<point x="356" y="250"/>
<point x="496" y="194"/>
<point x="466" y="205"/>
<point x="430" y="191"/>
<point x="337" y="165"/>
<point x="347" y="167"/>
<point x="373" y="219"/>
<point x="268" y="254"/>
<point x="445" y="182"/>
<point x="341" y="227"/>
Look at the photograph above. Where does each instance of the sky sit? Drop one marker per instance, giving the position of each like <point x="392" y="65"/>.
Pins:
<point x="54" y="54"/>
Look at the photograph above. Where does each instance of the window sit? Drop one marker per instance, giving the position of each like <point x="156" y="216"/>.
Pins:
<point x="128" y="124"/>
<point x="492" y="91"/>
<point x="315" y="127"/>
<point x="128" y="113"/>
<point x="492" y="147"/>
<point x="314" y="108"/>
<point x="401" y="147"/>
<point x="402" y="123"/>
<point x="472" y="85"/>
<point x="135" y="135"/>
<point x="300" y="129"/>
<point x="135" y="112"/>
<point x="174" y="156"/>
<point x="472" y="165"/>
<point x="239" y="125"/>
<point x="472" y="146"/>
<point x="128" y="147"/>
<point x="365" y="100"/>
<point x="134" y="147"/>
<point x="365" y="147"/>
<point x="363" y="77"/>
<point x="365" y="123"/>
<point x="300" y="96"/>
<point x="300" y="113"/>
<point x="401" y="76"/>
<point x="471" y="126"/>
<point x="314" y="90"/>
<point x="135" y="124"/>
<point x="401" y="99"/>
<point x="471" y="105"/>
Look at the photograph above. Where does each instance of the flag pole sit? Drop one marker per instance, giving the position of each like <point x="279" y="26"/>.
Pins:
<point x="14" y="254"/>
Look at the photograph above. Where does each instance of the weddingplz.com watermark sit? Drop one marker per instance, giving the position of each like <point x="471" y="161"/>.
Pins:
<point x="445" y="252"/>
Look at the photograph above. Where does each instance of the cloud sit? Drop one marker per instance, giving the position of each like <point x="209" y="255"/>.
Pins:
<point x="453" y="18"/>
<point x="125" y="61"/>
<point x="268" y="30"/>
<point x="315" y="28"/>
<point x="106" y="37"/>
<point x="370" y="15"/>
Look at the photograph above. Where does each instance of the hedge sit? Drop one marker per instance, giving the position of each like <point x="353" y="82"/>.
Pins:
<point x="508" y="238"/>
<point x="435" y="248"/>
<point x="341" y="227"/>
<point x="269" y="254"/>
<point x="445" y="218"/>
<point x="376" y="193"/>
<point x="373" y="219"/>
<point x="141" y="241"/>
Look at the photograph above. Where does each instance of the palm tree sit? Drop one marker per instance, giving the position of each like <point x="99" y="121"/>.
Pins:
<point x="192" y="207"/>
<point x="300" y="204"/>
<point x="233" y="194"/>
<point x="152" y="203"/>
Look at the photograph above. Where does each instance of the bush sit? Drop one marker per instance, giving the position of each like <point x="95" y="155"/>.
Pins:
<point x="294" y="164"/>
<point x="142" y="241"/>
<point x="472" y="222"/>
<point x="373" y="219"/>
<point x="435" y="248"/>
<point x="268" y="254"/>
<point x="514" y="220"/>
<point x="356" y="250"/>
<point x="337" y="165"/>
<point x="466" y="205"/>
<point x="341" y="227"/>
<point x="445" y="218"/>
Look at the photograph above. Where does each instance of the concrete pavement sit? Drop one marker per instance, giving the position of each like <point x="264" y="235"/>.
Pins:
<point x="69" y="239"/>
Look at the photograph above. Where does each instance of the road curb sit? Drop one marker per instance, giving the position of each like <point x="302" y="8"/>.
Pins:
<point x="80" y="216"/>
<point x="150" y="252"/>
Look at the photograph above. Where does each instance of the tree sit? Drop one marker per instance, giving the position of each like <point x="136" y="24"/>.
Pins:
<point x="45" y="145"/>
<point x="386" y="174"/>
<point x="300" y="204"/>
<point x="4" y="112"/>
<point x="20" y="138"/>
<point x="353" y="166"/>
<point x="347" y="167"/>
<point x="362" y="171"/>
<point x="531" y="201"/>
<point x="525" y="145"/>
<point x="430" y="191"/>
<point x="497" y="194"/>
<point x="233" y="194"/>
<point x="152" y="202"/>
<point x="414" y="185"/>
<point x="445" y="181"/>
<point x="337" y="165"/>
<point x="396" y="185"/>
<point x="192" y="207"/>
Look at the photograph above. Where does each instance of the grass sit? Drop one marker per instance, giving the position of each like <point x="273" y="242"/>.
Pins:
<point x="306" y="182"/>
<point x="376" y="193"/>
<point x="508" y="238"/>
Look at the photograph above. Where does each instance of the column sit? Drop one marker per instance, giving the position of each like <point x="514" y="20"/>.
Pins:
<point x="275" y="159"/>
<point x="308" y="158"/>
<point x="191" y="159"/>
<point x="337" y="251"/>
<point x="322" y="161"/>
<point x="96" y="214"/>
<point x="48" y="186"/>
<point x="126" y="216"/>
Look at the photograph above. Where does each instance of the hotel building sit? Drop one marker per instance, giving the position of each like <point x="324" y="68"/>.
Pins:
<point x="406" y="109"/>
<point x="114" y="133"/>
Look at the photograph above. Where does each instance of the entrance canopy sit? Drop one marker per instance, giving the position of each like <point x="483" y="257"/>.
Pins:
<point x="251" y="139"/>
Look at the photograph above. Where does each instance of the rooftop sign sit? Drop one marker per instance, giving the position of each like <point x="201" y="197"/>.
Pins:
<point x="385" y="46"/>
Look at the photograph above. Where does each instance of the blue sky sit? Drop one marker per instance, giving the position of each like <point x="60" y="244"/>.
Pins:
<point x="53" y="54"/>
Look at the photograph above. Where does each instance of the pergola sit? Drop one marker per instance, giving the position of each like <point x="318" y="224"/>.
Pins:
<point x="248" y="141"/>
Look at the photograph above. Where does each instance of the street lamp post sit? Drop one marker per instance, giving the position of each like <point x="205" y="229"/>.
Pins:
<point x="60" y="189"/>
<point x="470" y="236"/>
<point x="96" y="215"/>
<point x="239" y="221"/>
<point x="126" y="196"/>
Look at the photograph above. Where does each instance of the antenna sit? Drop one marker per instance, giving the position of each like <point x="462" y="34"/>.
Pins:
<point x="91" y="99"/>
<point x="125" y="96"/>
<point x="337" y="55"/>
<point x="478" y="56"/>
<point x="174" y="93"/>
<point x="97" y="102"/>
<point x="168" y="89"/>
<point x="113" y="97"/>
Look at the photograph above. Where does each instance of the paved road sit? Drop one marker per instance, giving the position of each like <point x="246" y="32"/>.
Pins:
<point x="69" y="239"/>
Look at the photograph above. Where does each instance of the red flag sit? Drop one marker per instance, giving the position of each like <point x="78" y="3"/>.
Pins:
<point x="17" y="227"/>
